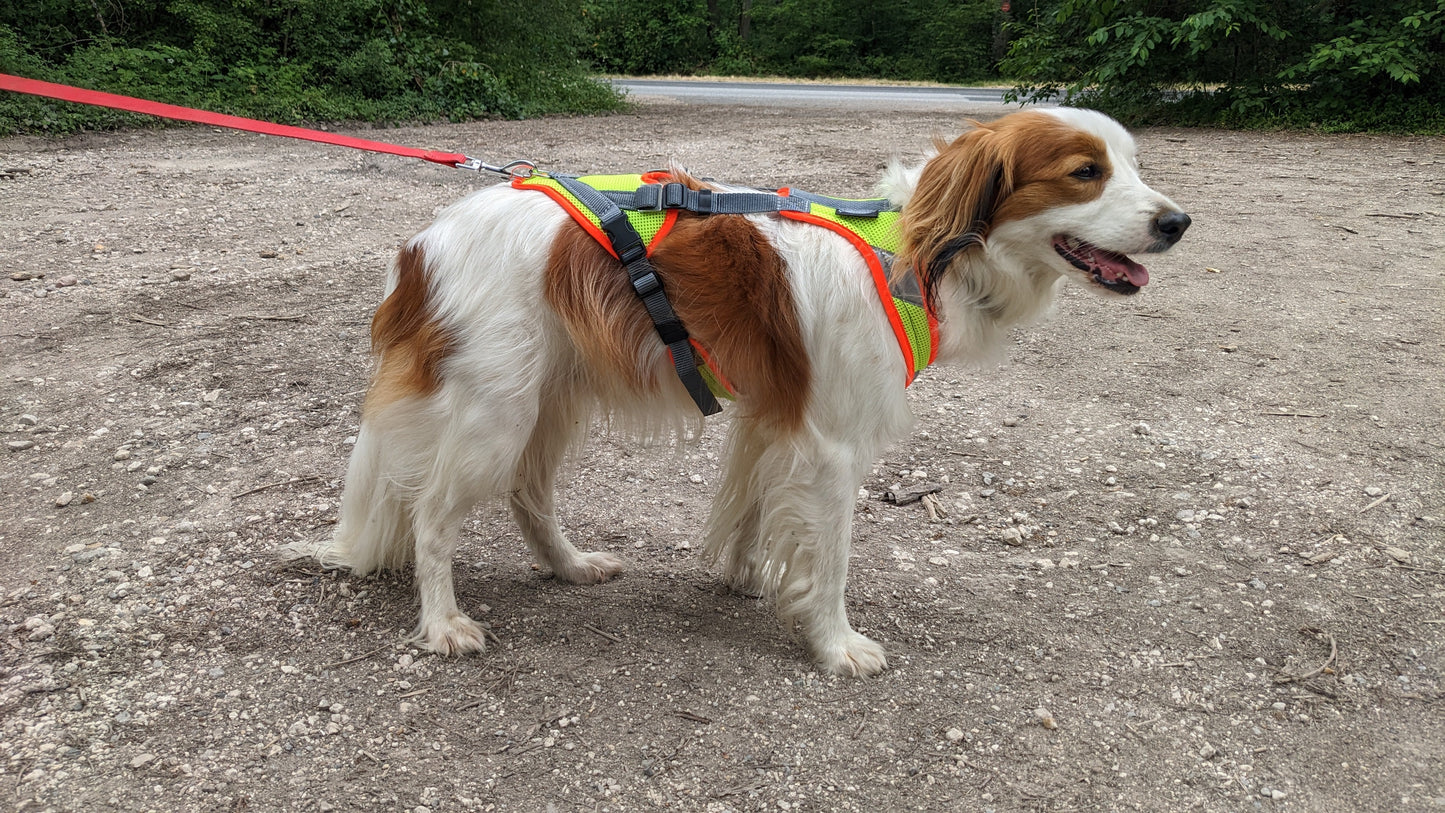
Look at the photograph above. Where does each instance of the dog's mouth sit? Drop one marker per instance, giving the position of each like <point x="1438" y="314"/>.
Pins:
<point x="1108" y="269"/>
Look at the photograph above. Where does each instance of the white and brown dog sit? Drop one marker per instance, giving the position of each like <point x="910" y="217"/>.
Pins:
<point x="506" y="329"/>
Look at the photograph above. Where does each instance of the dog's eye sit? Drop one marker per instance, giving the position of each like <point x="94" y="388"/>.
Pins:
<point x="1087" y="172"/>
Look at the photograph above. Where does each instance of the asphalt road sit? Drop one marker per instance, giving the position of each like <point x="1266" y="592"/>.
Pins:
<point x="789" y="94"/>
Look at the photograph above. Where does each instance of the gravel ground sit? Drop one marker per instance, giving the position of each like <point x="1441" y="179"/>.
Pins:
<point x="1191" y="559"/>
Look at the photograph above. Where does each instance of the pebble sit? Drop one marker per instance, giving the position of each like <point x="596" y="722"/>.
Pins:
<point x="64" y="499"/>
<point x="1398" y="554"/>
<point x="953" y="735"/>
<point x="142" y="760"/>
<point x="1208" y="751"/>
<point x="1141" y="428"/>
<point x="1010" y="421"/>
<point x="1045" y="718"/>
<point x="20" y="445"/>
<point x="27" y="420"/>
<point x="1374" y="491"/>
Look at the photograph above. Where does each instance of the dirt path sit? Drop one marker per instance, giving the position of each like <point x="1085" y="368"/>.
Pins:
<point x="1200" y="529"/>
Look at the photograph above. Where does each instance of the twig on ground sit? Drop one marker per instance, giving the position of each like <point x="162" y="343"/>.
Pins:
<point x="904" y="496"/>
<point x="307" y="479"/>
<point x="352" y="660"/>
<point x="696" y="718"/>
<point x="595" y="631"/>
<point x="1293" y="415"/>
<point x="1319" y="670"/>
<point x="1377" y="502"/>
<point x="158" y="323"/>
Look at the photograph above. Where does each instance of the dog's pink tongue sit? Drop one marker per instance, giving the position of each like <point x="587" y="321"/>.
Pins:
<point x="1121" y="266"/>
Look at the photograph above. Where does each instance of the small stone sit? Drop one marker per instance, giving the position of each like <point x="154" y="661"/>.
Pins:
<point x="121" y="454"/>
<point x="20" y="445"/>
<point x="696" y="478"/>
<point x="142" y="760"/>
<point x="67" y="281"/>
<point x="1141" y="428"/>
<point x="180" y="276"/>
<point x="27" y="420"/>
<point x="1374" y="491"/>
<point x="1208" y="752"/>
<point x="269" y="255"/>
<point x="1010" y="421"/>
<point x="1045" y="718"/>
<point x="953" y="735"/>
<point x="64" y="499"/>
<point x="1398" y="554"/>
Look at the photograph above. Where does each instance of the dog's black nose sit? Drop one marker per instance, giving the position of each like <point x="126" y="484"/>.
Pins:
<point x="1172" y="225"/>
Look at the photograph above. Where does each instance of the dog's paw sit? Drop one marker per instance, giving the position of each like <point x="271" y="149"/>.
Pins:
<point x="452" y="634"/>
<point x="852" y="655"/>
<point x="589" y="568"/>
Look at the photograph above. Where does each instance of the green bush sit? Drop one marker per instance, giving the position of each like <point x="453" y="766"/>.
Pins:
<point x="941" y="40"/>
<point x="1244" y="63"/>
<point x="297" y="60"/>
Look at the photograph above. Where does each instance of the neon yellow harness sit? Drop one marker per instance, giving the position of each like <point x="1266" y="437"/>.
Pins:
<point x="871" y="226"/>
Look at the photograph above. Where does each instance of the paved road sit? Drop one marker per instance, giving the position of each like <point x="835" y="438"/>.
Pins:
<point x="786" y="94"/>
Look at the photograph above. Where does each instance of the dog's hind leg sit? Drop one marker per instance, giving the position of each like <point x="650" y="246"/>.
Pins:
<point x="466" y="456"/>
<point x="734" y="527"/>
<point x="560" y="424"/>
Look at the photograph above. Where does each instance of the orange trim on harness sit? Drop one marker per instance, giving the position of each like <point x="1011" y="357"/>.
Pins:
<point x="880" y="281"/>
<point x="592" y="228"/>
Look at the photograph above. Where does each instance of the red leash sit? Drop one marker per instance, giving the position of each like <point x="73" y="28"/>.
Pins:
<point x="67" y="93"/>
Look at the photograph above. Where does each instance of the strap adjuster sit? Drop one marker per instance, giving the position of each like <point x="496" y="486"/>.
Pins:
<point x="647" y="284"/>
<point x="648" y="198"/>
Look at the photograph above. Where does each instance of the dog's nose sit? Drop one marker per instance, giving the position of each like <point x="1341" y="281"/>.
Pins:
<point x="1171" y="226"/>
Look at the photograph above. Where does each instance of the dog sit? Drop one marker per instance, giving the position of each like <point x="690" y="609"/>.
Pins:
<point x="505" y="330"/>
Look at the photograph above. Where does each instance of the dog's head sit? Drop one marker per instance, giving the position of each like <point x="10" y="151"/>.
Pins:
<point x="1047" y="193"/>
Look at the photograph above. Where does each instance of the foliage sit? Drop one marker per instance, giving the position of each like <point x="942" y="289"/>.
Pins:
<point x="941" y="40"/>
<point x="299" y="60"/>
<point x="1336" y="64"/>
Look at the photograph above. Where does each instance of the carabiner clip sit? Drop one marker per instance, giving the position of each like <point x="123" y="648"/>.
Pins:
<point x="516" y="169"/>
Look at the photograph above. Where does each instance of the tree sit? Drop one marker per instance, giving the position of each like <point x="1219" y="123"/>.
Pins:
<point x="1335" y="63"/>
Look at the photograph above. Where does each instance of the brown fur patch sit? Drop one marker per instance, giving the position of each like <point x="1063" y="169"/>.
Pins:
<point x="728" y="286"/>
<point x="405" y="336"/>
<point x="1004" y="170"/>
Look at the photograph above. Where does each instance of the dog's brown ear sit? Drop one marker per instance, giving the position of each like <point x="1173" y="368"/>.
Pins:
<point x="953" y="206"/>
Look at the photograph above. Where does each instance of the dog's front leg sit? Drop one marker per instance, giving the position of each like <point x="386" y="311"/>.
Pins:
<point x="808" y="520"/>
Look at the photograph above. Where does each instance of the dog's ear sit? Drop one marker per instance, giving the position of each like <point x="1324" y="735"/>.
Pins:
<point x="954" y="205"/>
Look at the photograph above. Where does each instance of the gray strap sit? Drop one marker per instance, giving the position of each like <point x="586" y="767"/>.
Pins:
<point x="659" y="197"/>
<point x="871" y="207"/>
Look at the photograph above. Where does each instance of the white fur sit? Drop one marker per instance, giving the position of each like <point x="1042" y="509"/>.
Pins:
<point x="516" y="395"/>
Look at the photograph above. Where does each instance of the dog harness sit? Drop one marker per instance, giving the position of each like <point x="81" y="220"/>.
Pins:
<point x="631" y="214"/>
